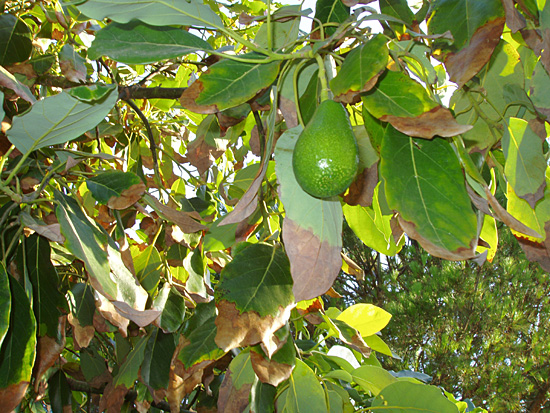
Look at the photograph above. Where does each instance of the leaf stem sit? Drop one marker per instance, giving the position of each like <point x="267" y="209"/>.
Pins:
<point x="322" y="77"/>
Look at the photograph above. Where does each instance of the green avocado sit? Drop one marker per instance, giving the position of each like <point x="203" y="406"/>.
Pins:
<point x="326" y="157"/>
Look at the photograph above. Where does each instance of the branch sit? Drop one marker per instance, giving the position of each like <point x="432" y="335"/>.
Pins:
<point x="124" y="92"/>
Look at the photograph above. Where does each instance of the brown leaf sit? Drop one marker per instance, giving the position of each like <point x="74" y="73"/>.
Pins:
<point x="176" y="391"/>
<point x="128" y="197"/>
<point x="202" y="155"/>
<point x="248" y="202"/>
<point x="438" y="121"/>
<point x="314" y="265"/>
<point x="141" y="317"/>
<point x="8" y="81"/>
<point x="537" y="126"/>
<point x="51" y="232"/>
<point x="113" y="398"/>
<point x="231" y="399"/>
<point x="436" y="250"/>
<point x="24" y="69"/>
<point x="245" y="19"/>
<point x="533" y="40"/>
<point x="29" y="184"/>
<point x="110" y="313"/>
<point x="514" y="20"/>
<point x="182" y="219"/>
<point x="537" y="251"/>
<point x="362" y="189"/>
<point x="465" y="64"/>
<point x="82" y="335"/>
<point x="190" y="95"/>
<point x="269" y="371"/>
<point x="545" y="53"/>
<point x="288" y="109"/>
<point x="352" y="97"/>
<point x="236" y="329"/>
<point x="11" y="396"/>
<point x="351" y="268"/>
<point x="48" y="351"/>
<point x="509" y="220"/>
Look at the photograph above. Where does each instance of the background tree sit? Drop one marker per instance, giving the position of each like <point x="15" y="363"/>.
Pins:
<point x="156" y="249"/>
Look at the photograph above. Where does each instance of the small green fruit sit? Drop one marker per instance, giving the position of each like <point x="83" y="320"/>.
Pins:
<point x="326" y="157"/>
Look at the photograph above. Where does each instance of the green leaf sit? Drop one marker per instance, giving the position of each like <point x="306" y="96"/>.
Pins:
<point x="425" y="184"/>
<point x="72" y="64"/>
<point x="148" y="266"/>
<point x="116" y="189"/>
<point x="360" y="69"/>
<point x="18" y="351"/>
<point x="172" y="305"/>
<point x="284" y="32"/>
<point x="377" y="344"/>
<point x="368" y="319"/>
<point x="128" y="372"/>
<point x="399" y="9"/>
<point x="372" y="379"/>
<point x="404" y="397"/>
<point x="139" y="43"/>
<point x="82" y="303"/>
<point x="94" y="93"/>
<point x="312" y="229"/>
<point x="200" y="345"/>
<point x="55" y="120"/>
<point x="229" y="83"/>
<point x="5" y="303"/>
<point x="462" y="18"/>
<point x="330" y="11"/>
<point x="372" y="227"/>
<point x="15" y="40"/>
<point x="258" y="279"/>
<point x="155" y="12"/>
<point x="304" y="393"/>
<point x="398" y="95"/>
<point x="237" y="383"/>
<point x="540" y="88"/>
<point x="525" y="166"/>
<point x="262" y="397"/>
<point x="155" y="369"/>
<point x="59" y="392"/>
<point x="48" y="301"/>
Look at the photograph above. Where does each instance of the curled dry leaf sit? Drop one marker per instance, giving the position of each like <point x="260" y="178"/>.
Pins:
<point x="82" y="335"/>
<point x="11" y="396"/>
<point x="128" y="197"/>
<point x="110" y="313"/>
<point x="237" y="329"/>
<point x="438" y="121"/>
<point x="458" y="255"/>
<point x="465" y="64"/>
<point x="514" y="20"/>
<point x="269" y="371"/>
<point x="113" y="398"/>
<point x="141" y="317"/>
<point x="314" y="264"/>
<point x="351" y="268"/>
<point x="182" y="219"/>
<point x="48" y="351"/>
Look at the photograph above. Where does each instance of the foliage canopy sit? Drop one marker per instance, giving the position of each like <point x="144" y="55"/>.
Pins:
<point x="156" y="247"/>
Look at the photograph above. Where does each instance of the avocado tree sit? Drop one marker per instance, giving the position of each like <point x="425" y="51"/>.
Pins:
<point x="157" y="251"/>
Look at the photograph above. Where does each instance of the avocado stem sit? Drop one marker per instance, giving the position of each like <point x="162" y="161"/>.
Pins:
<point x="322" y="77"/>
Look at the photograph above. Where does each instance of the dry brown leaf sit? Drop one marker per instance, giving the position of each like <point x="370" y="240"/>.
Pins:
<point x="438" y="121"/>
<point x="51" y="232"/>
<point x="141" y="317"/>
<point x="8" y="81"/>
<point x="288" y="109"/>
<point x="352" y="97"/>
<point x="314" y="265"/>
<point x="351" y="268"/>
<point x="110" y="313"/>
<point x="189" y="96"/>
<point x="82" y="335"/>
<point x="226" y="121"/>
<point x="545" y="56"/>
<point x="247" y="204"/>
<point x="514" y="20"/>
<point x="48" y="350"/>
<point x="269" y="371"/>
<point x="245" y="19"/>
<point x="236" y="329"/>
<point x="465" y="64"/>
<point x="128" y="197"/>
<point x="362" y="189"/>
<point x="509" y="220"/>
<point x="230" y="398"/>
<point x="537" y="126"/>
<point x="202" y="155"/>
<point x="113" y="398"/>
<point x="436" y="250"/>
<point x="183" y="220"/>
<point x="11" y="396"/>
<point x="175" y="392"/>
<point x="537" y="251"/>
<point x="29" y="184"/>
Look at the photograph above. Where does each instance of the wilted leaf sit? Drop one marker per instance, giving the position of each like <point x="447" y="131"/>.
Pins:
<point x="9" y="81"/>
<point x="52" y="231"/>
<point x="48" y="350"/>
<point x="312" y="229"/>
<point x="276" y="369"/>
<point x="83" y="335"/>
<point x="425" y="184"/>
<point x="112" y="398"/>
<point x="514" y="20"/>
<point x="182" y="219"/>
<point x="207" y="146"/>
<point x="72" y="64"/>
<point x="155" y="12"/>
<point x="144" y="43"/>
<point x="254" y="298"/>
<point x="360" y="70"/>
<point x="525" y="166"/>
<point x="116" y="189"/>
<point x="236" y="385"/>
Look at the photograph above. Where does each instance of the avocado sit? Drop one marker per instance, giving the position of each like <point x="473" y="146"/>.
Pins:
<point x="326" y="157"/>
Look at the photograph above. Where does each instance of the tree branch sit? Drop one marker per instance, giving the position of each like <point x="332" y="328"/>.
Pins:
<point x="124" y="92"/>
